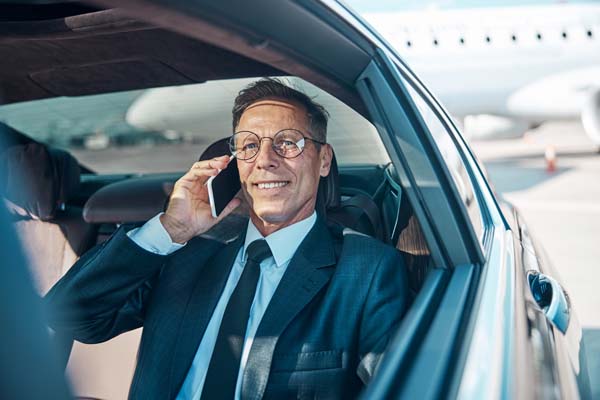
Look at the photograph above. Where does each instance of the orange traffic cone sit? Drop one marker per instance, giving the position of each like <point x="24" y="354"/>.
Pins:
<point x="550" y="156"/>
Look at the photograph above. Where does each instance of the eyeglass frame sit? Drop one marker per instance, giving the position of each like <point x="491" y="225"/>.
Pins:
<point x="260" y="140"/>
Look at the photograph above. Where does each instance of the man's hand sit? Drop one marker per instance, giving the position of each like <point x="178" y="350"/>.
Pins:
<point x="188" y="213"/>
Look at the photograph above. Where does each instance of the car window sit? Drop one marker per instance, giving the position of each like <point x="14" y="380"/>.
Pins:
<point x="454" y="162"/>
<point x="166" y="129"/>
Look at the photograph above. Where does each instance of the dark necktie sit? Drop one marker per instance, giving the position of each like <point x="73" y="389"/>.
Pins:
<point x="221" y="377"/>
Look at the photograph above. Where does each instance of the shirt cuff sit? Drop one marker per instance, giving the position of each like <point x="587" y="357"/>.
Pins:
<point x="153" y="237"/>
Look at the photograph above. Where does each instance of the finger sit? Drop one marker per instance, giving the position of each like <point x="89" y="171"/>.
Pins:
<point x="232" y="205"/>
<point x="200" y="165"/>
<point x="217" y="162"/>
<point x="205" y="171"/>
<point x="194" y="177"/>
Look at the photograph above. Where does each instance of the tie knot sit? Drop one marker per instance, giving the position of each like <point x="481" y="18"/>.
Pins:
<point x="258" y="251"/>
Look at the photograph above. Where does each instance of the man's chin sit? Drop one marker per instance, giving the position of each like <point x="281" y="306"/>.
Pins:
<point x="271" y="216"/>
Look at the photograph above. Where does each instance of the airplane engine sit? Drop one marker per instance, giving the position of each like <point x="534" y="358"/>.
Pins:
<point x="590" y="117"/>
<point x="491" y="127"/>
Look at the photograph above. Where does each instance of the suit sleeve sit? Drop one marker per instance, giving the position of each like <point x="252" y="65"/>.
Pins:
<point x="385" y="306"/>
<point x="105" y="293"/>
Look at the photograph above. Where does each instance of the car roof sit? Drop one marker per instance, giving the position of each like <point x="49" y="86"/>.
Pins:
<point x="70" y="49"/>
<point x="106" y="51"/>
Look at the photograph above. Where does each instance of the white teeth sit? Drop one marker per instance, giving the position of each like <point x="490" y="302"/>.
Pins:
<point x="271" y="185"/>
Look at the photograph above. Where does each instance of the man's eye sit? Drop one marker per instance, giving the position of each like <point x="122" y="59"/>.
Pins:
<point x="250" y="146"/>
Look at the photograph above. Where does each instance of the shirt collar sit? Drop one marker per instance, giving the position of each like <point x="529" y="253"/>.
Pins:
<point x="284" y="242"/>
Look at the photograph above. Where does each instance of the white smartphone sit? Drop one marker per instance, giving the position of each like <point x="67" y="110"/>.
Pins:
<point x="222" y="188"/>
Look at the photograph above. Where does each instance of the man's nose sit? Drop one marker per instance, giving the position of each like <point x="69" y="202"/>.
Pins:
<point x="266" y="157"/>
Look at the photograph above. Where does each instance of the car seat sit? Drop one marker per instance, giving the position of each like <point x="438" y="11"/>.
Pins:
<point x="404" y="232"/>
<point x="38" y="183"/>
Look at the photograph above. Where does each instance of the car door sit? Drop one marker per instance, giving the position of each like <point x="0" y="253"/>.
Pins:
<point x="487" y="334"/>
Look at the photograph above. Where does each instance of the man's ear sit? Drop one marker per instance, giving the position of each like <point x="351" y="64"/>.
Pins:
<point x="326" y="154"/>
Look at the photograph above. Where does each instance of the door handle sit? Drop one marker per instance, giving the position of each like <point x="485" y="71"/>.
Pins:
<point x="551" y="298"/>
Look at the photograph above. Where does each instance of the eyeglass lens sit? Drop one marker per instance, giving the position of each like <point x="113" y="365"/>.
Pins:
<point x="287" y="143"/>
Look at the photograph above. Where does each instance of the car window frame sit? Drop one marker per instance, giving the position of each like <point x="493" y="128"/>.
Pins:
<point x="428" y="340"/>
<point x="489" y="298"/>
<point x="420" y="166"/>
<point x="440" y="336"/>
<point x="434" y="117"/>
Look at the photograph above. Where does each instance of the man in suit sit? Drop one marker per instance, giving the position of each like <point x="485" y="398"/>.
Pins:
<point x="288" y="309"/>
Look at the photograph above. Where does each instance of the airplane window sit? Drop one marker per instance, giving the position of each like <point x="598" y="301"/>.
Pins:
<point x="408" y="43"/>
<point x="589" y="33"/>
<point x="564" y="35"/>
<point x="435" y="42"/>
<point x="539" y="36"/>
<point x="462" y="41"/>
<point x="514" y="38"/>
<point x="488" y="39"/>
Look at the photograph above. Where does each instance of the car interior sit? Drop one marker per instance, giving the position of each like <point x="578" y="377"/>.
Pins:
<point x="61" y="206"/>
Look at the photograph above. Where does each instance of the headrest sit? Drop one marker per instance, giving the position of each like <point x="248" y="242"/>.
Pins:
<point x="138" y="199"/>
<point x="218" y="149"/>
<point x="37" y="180"/>
<point x="131" y="200"/>
<point x="329" y="195"/>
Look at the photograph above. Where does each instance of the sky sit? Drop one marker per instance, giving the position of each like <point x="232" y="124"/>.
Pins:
<point x="366" y="6"/>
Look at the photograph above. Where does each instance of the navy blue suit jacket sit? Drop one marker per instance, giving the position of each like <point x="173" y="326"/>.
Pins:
<point x="322" y="334"/>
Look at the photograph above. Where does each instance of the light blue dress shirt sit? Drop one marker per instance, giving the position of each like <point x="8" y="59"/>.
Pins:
<point x="283" y="244"/>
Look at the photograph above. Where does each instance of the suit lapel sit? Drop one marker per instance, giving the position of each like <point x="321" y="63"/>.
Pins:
<point x="305" y="276"/>
<point x="199" y="310"/>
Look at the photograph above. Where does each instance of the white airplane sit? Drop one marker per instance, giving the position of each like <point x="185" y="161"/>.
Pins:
<point x="505" y="70"/>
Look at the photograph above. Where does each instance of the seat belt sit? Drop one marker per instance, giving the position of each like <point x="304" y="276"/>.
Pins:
<point x="366" y="204"/>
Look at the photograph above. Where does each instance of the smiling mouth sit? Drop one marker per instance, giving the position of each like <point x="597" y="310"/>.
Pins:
<point x="271" y="185"/>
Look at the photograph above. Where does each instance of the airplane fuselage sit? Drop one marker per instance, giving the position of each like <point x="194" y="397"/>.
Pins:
<point x="531" y="63"/>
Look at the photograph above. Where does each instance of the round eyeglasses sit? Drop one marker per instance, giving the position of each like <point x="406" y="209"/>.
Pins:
<point x="288" y="143"/>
